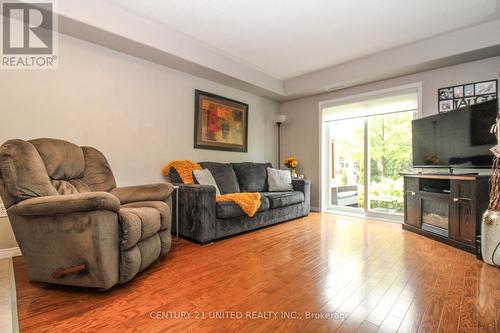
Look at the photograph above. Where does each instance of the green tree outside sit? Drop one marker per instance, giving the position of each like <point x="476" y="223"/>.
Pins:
<point x="390" y="153"/>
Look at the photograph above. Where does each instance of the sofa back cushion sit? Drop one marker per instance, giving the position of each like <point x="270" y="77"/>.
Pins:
<point x="97" y="175"/>
<point x="224" y="176"/>
<point x="252" y="177"/>
<point x="63" y="160"/>
<point x="23" y="173"/>
<point x="46" y="167"/>
<point x="73" y="169"/>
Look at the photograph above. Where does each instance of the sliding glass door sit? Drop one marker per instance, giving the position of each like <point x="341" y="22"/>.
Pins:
<point x="366" y="147"/>
<point x="346" y="164"/>
<point x="389" y="152"/>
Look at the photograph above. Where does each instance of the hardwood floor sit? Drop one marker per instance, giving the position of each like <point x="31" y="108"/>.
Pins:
<point x="384" y="278"/>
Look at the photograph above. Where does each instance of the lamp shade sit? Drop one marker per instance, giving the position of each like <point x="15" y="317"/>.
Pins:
<point x="280" y="118"/>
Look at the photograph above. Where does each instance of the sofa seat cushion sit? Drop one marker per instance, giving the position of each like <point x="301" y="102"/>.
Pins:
<point x="162" y="207"/>
<point x="252" y="177"/>
<point x="229" y="209"/>
<point x="283" y="199"/>
<point x="224" y="176"/>
<point x="138" y="224"/>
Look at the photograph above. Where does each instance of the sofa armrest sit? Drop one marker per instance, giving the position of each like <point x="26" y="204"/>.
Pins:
<point x="301" y="185"/>
<point x="65" y="204"/>
<point x="196" y="212"/>
<point x="151" y="192"/>
<point x="304" y="186"/>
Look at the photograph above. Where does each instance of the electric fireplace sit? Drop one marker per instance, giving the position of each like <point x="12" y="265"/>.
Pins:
<point x="435" y="214"/>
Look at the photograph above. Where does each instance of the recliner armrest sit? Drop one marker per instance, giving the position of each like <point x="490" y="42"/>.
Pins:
<point x="150" y="192"/>
<point x="64" y="204"/>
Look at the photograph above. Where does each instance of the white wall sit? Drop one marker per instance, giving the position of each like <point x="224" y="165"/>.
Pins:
<point x="301" y="132"/>
<point x="139" y="114"/>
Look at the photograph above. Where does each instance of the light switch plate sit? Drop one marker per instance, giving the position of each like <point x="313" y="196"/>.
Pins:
<point x="3" y="211"/>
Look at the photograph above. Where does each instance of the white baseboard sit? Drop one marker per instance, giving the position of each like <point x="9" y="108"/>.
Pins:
<point x="315" y="209"/>
<point x="10" y="252"/>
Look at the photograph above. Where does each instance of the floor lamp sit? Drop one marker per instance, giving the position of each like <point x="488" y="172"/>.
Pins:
<point x="279" y="119"/>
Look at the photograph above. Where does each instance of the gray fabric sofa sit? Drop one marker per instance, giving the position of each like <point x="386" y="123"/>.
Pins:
<point x="73" y="225"/>
<point x="204" y="220"/>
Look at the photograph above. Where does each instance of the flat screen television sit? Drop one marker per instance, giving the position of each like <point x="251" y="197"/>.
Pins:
<point x="456" y="139"/>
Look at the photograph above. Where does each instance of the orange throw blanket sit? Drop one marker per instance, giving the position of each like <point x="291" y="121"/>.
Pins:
<point x="248" y="202"/>
<point x="184" y="169"/>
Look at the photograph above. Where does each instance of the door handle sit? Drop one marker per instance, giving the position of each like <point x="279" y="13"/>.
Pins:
<point x="411" y="192"/>
<point x="463" y="199"/>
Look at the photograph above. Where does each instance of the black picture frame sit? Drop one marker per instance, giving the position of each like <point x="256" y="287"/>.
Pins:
<point x="229" y="105"/>
<point x="462" y="95"/>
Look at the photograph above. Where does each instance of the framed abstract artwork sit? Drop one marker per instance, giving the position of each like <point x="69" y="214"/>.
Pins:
<point x="220" y="123"/>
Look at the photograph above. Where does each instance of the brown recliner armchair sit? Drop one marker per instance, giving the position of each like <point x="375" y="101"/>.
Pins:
<point x="73" y="225"/>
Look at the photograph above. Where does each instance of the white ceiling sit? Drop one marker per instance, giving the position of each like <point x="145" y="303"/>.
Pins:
<point x="287" y="38"/>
